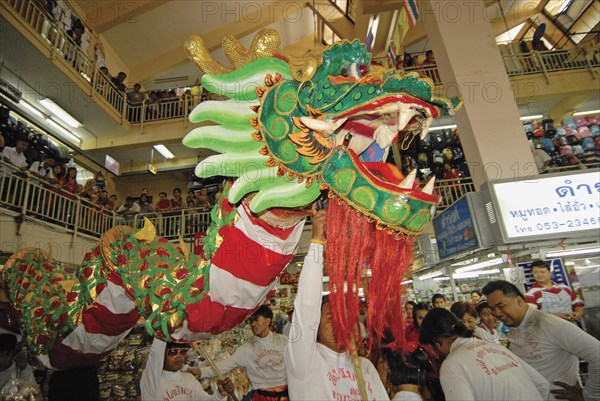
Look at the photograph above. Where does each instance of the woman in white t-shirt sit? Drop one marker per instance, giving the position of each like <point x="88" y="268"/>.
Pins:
<point x="476" y="370"/>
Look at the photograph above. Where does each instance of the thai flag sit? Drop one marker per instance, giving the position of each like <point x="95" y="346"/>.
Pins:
<point x="391" y="54"/>
<point x="412" y="11"/>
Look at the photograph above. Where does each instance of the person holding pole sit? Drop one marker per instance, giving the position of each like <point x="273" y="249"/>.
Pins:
<point x="262" y="357"/>
<point x="317" y="367"/>
<point x="163" y="379"/>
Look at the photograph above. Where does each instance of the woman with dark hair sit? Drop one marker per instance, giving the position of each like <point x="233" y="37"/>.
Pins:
<point x="476" y="297"/>
<point x="412" y="331"/>
<point x="408" y="309"/>
<point x="476" y="370"/>
<point x="69" y="181"/>
<point x="466" y="314"/>
<point x="405" y="376"/>
<point x="58" y="170"/>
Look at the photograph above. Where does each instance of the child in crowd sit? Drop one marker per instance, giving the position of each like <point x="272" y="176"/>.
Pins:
<point x="490" y="329"/>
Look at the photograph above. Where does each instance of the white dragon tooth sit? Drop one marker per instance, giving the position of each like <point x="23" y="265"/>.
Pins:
<point x="359" y="143"/>
<point x="425" y="128"/>
<point x="405" y="114"/>
<point x="322" y="126"/>
<point x="384" y="135"/>
<point x="428" y="188"/>
<point x="340" y="137"/>
<point x="409" y="181"/>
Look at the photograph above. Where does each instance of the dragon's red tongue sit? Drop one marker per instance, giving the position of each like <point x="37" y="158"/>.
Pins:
<point x="355" y="244"/>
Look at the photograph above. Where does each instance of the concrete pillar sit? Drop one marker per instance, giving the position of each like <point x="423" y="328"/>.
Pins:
<point x="470" y="64"/>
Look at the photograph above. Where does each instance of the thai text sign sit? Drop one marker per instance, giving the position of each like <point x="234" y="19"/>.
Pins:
<point x="454" y="230"/>
<point x="549" y="206"/>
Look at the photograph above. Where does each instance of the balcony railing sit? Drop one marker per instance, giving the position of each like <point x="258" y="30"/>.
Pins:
<point x="22" y="194"/>
<point x="536" y="62"/>
<point x="449" y="191"/>
<point x="98" y="85"/>
<point x="171" y="224"/>
<point x="61" y="46"/>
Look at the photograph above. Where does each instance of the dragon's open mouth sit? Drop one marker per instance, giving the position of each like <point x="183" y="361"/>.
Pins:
<point x="369" y="131"/>
<point x="383" y="122"/>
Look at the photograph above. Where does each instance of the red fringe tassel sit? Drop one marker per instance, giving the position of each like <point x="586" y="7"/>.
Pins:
<point x="354" y="245"/>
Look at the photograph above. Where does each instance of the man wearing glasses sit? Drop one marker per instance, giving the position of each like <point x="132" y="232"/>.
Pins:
<point x="163" y="380"/>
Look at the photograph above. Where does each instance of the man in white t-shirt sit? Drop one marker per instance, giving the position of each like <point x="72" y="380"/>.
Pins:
<point x="262" y="357"/>
<point x="317" y="368"/>
<point x="16" y="156"/>
<point x="43" y="169"/>
<point x="163" y="379"/>
<point x="548" y="343"/>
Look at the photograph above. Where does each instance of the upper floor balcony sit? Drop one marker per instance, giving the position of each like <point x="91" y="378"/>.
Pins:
<point x="47" y="57"/>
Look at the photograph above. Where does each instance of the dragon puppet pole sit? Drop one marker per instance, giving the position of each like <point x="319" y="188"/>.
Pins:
<point x="360" y="379"/>
<point x="214" y="367"/>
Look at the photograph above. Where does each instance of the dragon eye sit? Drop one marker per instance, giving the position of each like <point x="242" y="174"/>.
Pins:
<point x="355" y="70"/>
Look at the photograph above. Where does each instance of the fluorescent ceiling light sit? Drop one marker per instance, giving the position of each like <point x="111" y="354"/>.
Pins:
<point x="572" y="252"/>
<point x="480" y="265"/>
<point x="534" y="117"/>
<point x="464" y="262"/>
<point x="63" y="131"/>
<point x="60" y="113"/>
<point x="162" y="149"/>
<point x="406" y="282"/>
<point x="31" y="109"/>
<point x="585" y="113"/>
<point x="490" y="271"/>
<point x="466" y="275"/>
<point x="441" y="127"/>
<point x="431" y="275"/>
<point x="441" y="278"/>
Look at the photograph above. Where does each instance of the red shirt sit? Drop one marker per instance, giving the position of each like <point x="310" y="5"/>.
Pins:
<point x="163" y="204"/>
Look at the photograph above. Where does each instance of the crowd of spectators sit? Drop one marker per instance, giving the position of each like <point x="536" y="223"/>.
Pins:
<point x="427" y="67"/>
<point x="50" y="173"/>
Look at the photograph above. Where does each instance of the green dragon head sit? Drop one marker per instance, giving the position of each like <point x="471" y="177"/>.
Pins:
<point x="290" y="130"/>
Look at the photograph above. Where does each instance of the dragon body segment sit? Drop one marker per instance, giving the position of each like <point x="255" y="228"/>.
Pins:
<point x="288" y="131"/>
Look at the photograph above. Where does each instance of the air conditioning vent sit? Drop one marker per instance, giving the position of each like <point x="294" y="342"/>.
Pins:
<point x="490" y="213"/>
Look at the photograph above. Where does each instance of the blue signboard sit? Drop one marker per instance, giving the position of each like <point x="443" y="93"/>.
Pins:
<point x="559" y="273"/>
<point x="455" y="230"/>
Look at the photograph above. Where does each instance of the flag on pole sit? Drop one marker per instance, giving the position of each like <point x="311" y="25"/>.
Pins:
<point x="412" y="11"/>
<point x="407" y="19"/>
<point x="369" y="39"/>
<point x="391" y="54"/>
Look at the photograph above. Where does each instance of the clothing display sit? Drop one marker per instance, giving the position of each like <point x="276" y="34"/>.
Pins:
<point x="553" y="347"/>
<point x="477" y="370"/>
<point x="316" y="372"/>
